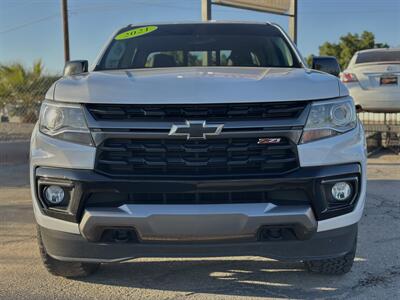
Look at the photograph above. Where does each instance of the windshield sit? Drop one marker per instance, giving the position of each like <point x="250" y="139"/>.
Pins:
<point x="378" y="56"/>
<point x="191" y="45"/>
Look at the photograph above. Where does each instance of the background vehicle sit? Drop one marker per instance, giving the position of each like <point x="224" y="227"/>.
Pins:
<point x="373" y="79"/>
<point x="199" y="139"/>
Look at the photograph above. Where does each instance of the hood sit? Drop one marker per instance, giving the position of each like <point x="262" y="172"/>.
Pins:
<point x="196" y="85"/>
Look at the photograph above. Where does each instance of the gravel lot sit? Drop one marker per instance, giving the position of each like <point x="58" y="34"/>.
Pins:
<point x="15" y="131"/>
<point x="375" y="275"/>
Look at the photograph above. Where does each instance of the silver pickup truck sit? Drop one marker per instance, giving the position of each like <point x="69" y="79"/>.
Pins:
<point x="198" y="140"/>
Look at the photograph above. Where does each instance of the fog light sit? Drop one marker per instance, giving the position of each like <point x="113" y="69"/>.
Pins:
<point x="54" y="194"/>
<point x="341" y="191"/>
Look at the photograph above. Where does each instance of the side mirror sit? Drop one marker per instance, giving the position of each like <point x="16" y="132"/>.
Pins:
<point x="75" y="67"/>
<point x="327" y="64"/>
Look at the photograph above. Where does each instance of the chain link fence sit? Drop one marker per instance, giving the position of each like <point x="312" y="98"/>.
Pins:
<point x="21" y="93"/>
<point x="382" y="130"/>
<point x="20" y="106"/>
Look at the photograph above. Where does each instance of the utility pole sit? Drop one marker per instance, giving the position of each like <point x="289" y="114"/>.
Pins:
<point x="206" y="10"/>
<point x="64" y="14"/>
<point x="293" y="20"/>
<point x="206" y="16"/>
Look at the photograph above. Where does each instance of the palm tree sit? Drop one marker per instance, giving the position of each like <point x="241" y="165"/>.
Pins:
<point x="23" y="89"/>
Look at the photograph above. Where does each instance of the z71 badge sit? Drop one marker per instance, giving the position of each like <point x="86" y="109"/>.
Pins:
<point x="265" y="141"/>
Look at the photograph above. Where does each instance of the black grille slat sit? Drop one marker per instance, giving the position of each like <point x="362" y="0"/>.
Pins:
<point x="199" y="198"/>
<point x="210" y="112"/>
<point x="282" y="194"/>
<point x="222" y="156"/>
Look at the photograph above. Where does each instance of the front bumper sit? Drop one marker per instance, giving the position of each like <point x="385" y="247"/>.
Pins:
<point x="88" y="191"/>
<point x="323" y="245"/>
<point x="196" y="229"/>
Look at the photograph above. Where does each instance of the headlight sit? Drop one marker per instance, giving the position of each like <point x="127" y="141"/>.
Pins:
<point x="65" y="122"/>
<point x="329" y="118"/>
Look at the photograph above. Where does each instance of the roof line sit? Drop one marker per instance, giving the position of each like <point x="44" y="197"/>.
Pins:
<point x="200" y="22"/>
<point x="379" y="49"/>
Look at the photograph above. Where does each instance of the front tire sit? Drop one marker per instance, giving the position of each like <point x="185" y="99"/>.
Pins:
<point x="64" y="268"/>
<point x="333" y="266"/>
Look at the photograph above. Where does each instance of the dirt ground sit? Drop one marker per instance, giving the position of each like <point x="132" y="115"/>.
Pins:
<point x="375" y="275"/>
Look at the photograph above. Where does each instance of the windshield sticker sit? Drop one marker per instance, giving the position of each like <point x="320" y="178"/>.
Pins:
<point x="135" y="32"/>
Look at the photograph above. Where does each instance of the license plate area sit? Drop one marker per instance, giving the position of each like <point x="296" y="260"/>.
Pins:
<point x="388" y="80"/>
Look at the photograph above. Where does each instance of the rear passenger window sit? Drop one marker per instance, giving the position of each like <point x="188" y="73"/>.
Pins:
<point x="238" y="58"/>
<point x="201" y="58"/>
<point x="224" y="56"/>
<point x="164" y="59"/>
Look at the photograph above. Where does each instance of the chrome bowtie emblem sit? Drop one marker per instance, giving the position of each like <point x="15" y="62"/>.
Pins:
<point x="196" y="129"/>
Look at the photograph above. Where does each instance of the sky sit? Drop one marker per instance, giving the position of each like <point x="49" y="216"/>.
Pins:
<point x="32" y="29"/>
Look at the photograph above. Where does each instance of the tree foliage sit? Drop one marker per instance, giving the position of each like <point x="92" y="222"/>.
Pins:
<point x="348" y="45"/>
<point x="23" y="89"/>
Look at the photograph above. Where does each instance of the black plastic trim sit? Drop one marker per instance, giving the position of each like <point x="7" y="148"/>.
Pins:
<point x="88" y="181"/>
<point x="322" y="245"/>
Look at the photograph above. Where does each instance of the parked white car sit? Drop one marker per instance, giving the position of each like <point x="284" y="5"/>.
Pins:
<point x="373" y="79"/>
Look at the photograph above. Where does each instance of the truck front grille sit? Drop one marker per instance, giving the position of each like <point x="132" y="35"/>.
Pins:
<point x="220" y="156"/>
<point x="209" y="112"/>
